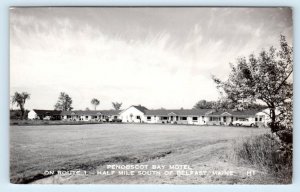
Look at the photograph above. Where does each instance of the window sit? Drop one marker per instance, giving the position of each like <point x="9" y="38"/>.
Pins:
<point x="260" y="119"/>
<point x="183" y="118"/>
<point x="164" y="118"/>
<point x="195" y="118"/>
<point x="214" y="118"/>
<point x="255" y="118"/>
<point x="148" y="118"/>
<point x="224" y="119"/>
<point x="86" y="117"/>
<point x="138" y="117"/>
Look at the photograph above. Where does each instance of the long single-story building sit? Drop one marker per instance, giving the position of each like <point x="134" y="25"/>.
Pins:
<point x="101" y="115"/>
<point x="141" y="114"/>
<point x="226" y="117"/>
<point x="76" y="115"/>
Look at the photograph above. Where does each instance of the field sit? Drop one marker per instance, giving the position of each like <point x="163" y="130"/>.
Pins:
<point x="91" y="148"/>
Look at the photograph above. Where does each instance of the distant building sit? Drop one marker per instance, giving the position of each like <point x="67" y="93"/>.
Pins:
<point x="226" y="117"/>
<point x="177" y="116"/>
<point x="133" y="114"/>
<point x="44" y="114"/>
<point x="99" y="115"/>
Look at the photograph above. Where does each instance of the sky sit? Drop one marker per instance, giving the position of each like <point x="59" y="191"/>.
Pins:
<point x="156" y="57"/>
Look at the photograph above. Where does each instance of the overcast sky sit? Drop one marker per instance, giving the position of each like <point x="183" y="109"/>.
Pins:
<point x="157" y="57"/>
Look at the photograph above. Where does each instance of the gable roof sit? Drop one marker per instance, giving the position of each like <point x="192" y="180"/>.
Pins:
<point x="140" y="108"/>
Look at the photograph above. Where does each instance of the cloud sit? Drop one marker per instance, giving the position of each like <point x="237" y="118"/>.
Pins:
<point x="161" y="66"/>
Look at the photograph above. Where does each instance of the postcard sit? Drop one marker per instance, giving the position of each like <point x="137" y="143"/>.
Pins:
<point x="151" y="95"/>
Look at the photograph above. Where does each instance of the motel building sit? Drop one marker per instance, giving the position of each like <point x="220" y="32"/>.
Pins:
<point x="140" y="114"/>
<point x="44" y="114"/>
<point x="79" y="115"/>
<point x="225" y="117"/>
<point x="76" y="115"/>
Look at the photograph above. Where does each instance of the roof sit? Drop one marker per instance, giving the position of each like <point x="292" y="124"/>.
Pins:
<point x="96" y="112"/>
<point x="140" y="108"/>
<point x="177" y="112"/>
<point x="246" y="112"/>
<point x="46" y="112"/>
<point x="110" y="112"/>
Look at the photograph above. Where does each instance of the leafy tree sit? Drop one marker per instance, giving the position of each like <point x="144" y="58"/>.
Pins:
<point x="225" y="103"/>
<point x="95" y="102"/>
<point x="116" y="105"/>
<point x="64" y="102"/>
<point x="203" y="104"/>
<point x="20" y="100"/>
<point x="266" y="78"/>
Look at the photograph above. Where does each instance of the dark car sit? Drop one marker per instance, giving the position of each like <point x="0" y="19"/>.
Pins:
<point x="116" y="120"/>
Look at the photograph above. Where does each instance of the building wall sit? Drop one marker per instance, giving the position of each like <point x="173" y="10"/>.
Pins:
<point x="157" y="119"/>
<point x="88" y="117"/>
<point x="153" y="119"/>
<point x="263" y="118"/>
<point x="201" y="120"/>
<point x="130" y="115"/>
<point x="32" y="115"/>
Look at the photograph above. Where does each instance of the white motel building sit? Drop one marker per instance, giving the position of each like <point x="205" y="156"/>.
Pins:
<point x="140" y="114"/>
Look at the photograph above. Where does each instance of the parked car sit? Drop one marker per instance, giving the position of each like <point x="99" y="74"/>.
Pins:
<point x="115" y="120"/>
<point x="243" y="122"/>
<point x="47" y="118"/>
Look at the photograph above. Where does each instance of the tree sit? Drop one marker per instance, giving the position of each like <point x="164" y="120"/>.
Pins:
<point x="265" y="78"/>
<point x="64" y="102"/>
<point x="20" y="100"/>
<point x="116" y="105"/>
<point x="222" y="103"/>
<point x="95" y="102"/>
<point x="203" y="104"/>
<point x="87" y="109"/>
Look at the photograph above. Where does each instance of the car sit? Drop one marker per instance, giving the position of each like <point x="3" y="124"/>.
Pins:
<point x="115" y="120"/>
<point x="47" y="118"/>
<point x="243" y="122"/>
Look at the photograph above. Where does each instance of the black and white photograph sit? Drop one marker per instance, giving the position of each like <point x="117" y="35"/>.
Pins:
<point x="151" y="95"/>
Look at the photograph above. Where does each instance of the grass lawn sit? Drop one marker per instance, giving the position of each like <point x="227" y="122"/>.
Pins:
<point x="35" y="149"/>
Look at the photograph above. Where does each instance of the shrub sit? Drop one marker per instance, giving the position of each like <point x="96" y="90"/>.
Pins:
<point x="266" y="152"/>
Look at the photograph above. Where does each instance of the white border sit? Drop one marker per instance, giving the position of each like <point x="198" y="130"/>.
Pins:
<point x="4" y="96"/>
